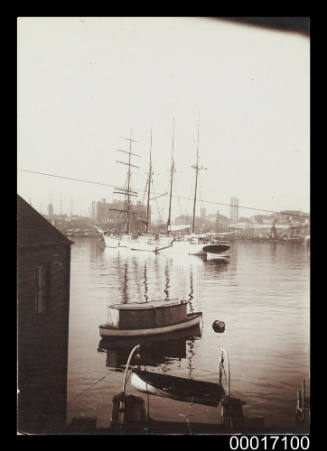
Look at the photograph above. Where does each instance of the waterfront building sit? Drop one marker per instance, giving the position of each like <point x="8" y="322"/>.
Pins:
<point x="208" y="223"/>
<point x="109" y="214"/>
<point x="43" y="277"/>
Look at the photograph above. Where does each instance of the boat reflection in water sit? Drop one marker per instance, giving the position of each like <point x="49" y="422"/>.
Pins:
<point x="153" y="351"/>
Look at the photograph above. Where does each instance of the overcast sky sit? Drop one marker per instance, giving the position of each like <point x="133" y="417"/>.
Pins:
<point x="83" y="83"/>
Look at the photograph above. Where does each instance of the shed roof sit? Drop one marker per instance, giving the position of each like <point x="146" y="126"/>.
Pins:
<point x="34" y="230"/>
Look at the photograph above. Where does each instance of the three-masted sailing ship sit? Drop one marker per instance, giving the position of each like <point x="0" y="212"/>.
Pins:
<point x="193" y="244"/>
<point x="135" y="241"/>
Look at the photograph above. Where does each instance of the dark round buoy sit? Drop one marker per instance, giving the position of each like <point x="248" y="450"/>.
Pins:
<point x="218" y="326"/>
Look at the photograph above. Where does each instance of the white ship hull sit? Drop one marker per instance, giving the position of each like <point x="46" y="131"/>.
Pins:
<point x="117" y="242"/>
<point x="149" y="244"/>
<point x="183" y="247"/>
<point x="141" y="243"/>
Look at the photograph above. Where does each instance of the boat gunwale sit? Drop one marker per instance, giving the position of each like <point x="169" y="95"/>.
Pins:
<point x="151" y="331"/>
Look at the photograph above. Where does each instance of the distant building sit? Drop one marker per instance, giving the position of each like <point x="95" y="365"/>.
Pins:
<point x="184" y="220"/>
<point x="209" y="223"/>
<point x="43" y="277"/>
<point x="50" y="210"/>
<point x="221" y="222"/>
<point x="294" y="216"/>
<point x="234" y="209"/>
<point x="109" y="215"/>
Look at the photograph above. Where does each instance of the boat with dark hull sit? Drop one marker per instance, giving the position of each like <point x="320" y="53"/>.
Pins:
<point x="217" y="251"/>
<point x="216" y="248"/>
<point x="179" y="388"/>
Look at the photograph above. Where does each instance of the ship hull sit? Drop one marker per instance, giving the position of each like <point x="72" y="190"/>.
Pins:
<point x="192" y="319"/>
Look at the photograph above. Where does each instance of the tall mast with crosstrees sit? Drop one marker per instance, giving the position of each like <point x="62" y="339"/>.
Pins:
<point x="197" y="169"/>
<point x="172" y="170"/>
<point x="127" y="191"/>
<point x="149" y="187"/>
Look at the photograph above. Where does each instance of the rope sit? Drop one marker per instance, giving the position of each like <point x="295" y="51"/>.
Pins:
<point x="147" y="394"/>
<point x="174" y="196"/>
<point x="83" y="391"/>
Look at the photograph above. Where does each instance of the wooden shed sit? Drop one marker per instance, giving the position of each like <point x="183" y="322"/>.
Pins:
<point x="43" y="279"/>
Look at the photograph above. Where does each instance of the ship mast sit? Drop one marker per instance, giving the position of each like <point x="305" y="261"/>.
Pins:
<point x="172" y="170"/>
<point x="197" y="169"/>
<point x="129" y="182"/>
<point x="127" y="191"/>
<point x="149" y="186"/>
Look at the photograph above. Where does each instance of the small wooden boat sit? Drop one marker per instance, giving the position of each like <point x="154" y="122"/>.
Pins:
<point x="181" y="389"/>
<point x="148" y="318"/>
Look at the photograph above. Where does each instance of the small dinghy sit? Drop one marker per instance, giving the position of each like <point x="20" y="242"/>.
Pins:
<point x="148" y="318"/>
<point x="178" y="388"/>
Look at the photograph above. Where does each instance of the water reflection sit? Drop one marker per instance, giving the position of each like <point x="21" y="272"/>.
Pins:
<point x="262" y="295"/>
<point x="190" y="296"/>
<point x="145" y="283"/>
<point x="166" y="291"/>
<point x="216" y="267"/>
<point x="154" y="351"/>
<point x="190" y="356"/>
<point x="124" y="280"/>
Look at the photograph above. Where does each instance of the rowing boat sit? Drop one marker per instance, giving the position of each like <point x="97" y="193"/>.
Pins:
<point x="181" y="389"/>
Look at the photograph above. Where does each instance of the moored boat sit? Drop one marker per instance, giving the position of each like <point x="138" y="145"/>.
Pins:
<point x="188" y="390"/>
<point x="138" y="240"/>
<point x="218" y="248"/>
<point x="148" y="318"/>
<point x="195" y="243"/>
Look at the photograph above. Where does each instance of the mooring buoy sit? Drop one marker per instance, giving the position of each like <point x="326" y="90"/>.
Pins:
<point x="218" y="326"/>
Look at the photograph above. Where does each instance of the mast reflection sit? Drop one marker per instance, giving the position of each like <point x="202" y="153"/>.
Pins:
<point x="145" y="283"/>
<point x="124" y="287"/>
<point x="190" y="296"/>
<point x="167" y="285"/>
<point x="190" y="355"/>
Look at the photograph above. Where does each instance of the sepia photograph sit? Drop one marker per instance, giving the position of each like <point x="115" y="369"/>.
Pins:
<point x="163" y="228"/>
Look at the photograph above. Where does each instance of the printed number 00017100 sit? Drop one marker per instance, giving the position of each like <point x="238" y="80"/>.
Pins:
<point x="288" y="442"/>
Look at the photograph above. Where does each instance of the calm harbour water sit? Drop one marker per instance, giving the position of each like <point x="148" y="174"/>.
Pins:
<point x="262" y="295"/>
